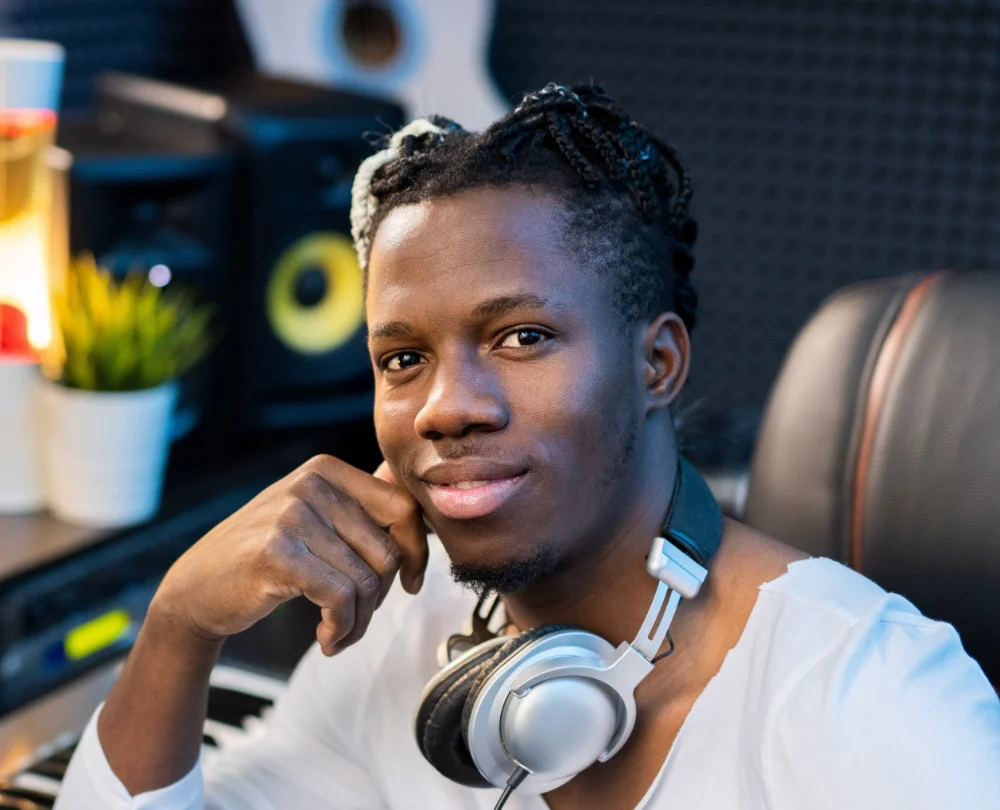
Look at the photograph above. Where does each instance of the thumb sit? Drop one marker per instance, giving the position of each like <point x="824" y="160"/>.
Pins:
<point x="385" y="473"/>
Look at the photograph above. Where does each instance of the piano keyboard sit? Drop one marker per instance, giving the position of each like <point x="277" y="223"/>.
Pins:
<point x="238" y="702"/>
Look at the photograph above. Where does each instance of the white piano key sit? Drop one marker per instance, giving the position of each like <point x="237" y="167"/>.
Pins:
<point x="225" y="735"/>
<point x="45" y="785"/>
<point x="252" y="683"/>
<point x="227" y="677"/>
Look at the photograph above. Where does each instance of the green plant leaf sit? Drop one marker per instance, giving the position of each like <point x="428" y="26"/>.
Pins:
<point x="128" y="334"/>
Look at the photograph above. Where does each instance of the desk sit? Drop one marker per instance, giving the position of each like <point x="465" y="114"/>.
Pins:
<point x="34" y="548"/>
<point x="27" y="541"/>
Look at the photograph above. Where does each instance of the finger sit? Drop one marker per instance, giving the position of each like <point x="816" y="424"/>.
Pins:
<point x="389" y="506"/>
<point x="352" y="542"/>
<point x="346" y="641"/>
<point x="329" y="637"/>
<point x="383" y="473"/>
<point x="332" y="590"/>
<point x="324" y="541"/>
<point x="369" y="590"/>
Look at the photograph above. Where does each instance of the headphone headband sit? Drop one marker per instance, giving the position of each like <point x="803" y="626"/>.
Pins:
<point x="694" y="520"/>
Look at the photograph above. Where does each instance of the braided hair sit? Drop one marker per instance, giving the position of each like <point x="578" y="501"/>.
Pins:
<point x="625" y="191"/>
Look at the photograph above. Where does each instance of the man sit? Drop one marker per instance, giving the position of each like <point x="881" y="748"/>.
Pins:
<point x="529" y="307"/>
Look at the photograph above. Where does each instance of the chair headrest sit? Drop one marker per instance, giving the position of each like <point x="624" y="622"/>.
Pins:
<point x="880" y="445"/>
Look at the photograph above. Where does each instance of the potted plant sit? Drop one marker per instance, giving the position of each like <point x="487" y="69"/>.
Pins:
<point x="118" y="351"/>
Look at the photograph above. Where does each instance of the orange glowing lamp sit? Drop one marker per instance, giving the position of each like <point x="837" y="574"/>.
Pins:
<point x="30" y="82"/>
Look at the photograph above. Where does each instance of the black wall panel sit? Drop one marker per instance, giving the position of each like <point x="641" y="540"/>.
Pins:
<point x="168" y="38"/>
<point x="829" y="141"/>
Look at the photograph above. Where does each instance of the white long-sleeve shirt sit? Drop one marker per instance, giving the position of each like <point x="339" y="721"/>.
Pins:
<point x="837" y="695"/>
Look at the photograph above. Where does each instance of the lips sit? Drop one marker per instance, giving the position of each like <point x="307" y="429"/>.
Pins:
<point x="472" y="489"/>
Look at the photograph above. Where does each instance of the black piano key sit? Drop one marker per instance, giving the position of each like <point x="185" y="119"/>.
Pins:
<point x="24" y="799"/>
<point x="230" y="707"/>
<point x="12" y="803"/>
<point x="63" y="754"/>
<point x="50" y="767"/>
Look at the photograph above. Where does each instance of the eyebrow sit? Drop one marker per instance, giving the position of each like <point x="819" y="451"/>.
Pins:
<point x="501" y="304"/>
<point x="389" y="330"/>
<point x="490" y="308"/>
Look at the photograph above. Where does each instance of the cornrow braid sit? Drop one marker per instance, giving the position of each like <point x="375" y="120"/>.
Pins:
<point x="627" y="193"/>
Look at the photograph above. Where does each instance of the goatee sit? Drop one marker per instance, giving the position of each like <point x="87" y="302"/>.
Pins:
<point x="513" y="576"/>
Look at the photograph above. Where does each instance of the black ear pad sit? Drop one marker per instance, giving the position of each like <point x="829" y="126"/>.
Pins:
<point x="439" y="723"/>
<point x="504" y="653"/>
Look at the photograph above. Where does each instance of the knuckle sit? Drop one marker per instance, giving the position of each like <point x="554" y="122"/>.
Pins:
<point x="281" y="548"/>
<point x="312" y="483"/>
<point x="321" y="461"/>
<point x="345" y="592"/>
<point x="369" y="587"/>
<point x="295" y="513"/>
<point x="392" y="557"/>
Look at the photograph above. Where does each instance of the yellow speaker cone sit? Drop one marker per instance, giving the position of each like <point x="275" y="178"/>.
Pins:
<point x="315" y="297"/>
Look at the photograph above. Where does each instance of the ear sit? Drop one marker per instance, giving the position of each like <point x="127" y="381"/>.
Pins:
<point x="666" y="349"/>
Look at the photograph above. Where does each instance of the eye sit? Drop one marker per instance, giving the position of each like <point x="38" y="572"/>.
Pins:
<point x="523" y="337"/>
<point x="400" y="361"/>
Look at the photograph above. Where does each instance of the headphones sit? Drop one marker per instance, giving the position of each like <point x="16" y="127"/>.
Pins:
<point x="533" y="711"/>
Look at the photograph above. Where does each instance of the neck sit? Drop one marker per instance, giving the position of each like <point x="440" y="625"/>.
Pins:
<point x="608" y="592"/>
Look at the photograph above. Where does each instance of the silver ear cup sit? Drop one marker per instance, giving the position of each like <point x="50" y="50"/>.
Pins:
<point x="559" y="727"/>
<point x="557" y="740"/>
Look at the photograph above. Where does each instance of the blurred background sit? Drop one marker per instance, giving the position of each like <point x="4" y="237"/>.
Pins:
<point x="830" y="142"/>
<point x="207" y="148"/>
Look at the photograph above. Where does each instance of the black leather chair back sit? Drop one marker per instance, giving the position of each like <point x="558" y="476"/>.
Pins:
<point x="880" y="445"/>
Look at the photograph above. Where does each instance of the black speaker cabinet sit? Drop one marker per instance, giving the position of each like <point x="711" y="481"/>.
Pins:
<point x="297" y="287"/>
<point x="161" y="201"/>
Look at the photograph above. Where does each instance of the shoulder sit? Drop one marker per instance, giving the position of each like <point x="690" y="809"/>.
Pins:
<point x="886" y="709"/>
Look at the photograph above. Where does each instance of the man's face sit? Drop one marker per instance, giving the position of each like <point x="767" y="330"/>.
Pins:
<point x="507" y="398"/>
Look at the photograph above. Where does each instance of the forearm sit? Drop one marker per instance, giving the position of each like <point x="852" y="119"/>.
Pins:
<point x="282" y="544"/>
<point x="151" y="725"/>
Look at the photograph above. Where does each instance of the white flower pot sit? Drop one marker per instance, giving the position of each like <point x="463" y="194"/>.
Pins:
<point x="20" y="468"/>
<point x="105" y="452"/>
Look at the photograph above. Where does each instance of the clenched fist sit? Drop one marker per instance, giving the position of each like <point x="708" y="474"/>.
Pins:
<point x="327" y="531"/>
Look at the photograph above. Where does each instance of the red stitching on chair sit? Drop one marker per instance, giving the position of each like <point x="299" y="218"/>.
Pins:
<point x="885" y="366"/>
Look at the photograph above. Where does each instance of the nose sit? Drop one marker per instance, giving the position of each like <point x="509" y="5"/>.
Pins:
<point x="464" y="397"/>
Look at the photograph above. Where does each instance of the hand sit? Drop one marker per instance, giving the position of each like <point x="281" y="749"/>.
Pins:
<point x="328" y="531"/>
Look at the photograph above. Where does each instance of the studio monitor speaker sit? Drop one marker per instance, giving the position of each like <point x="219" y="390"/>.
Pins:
<point x="296" y="287"/>
<point x="160" y="201"/>
<point x="430" y="55"/>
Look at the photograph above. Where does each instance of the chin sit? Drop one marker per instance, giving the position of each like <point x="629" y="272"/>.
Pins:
<point x="512" y="576"/>
<point x="490" y="561"/>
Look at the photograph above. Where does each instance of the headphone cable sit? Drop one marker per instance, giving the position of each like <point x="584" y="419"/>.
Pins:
<point x="515" y="780"/>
